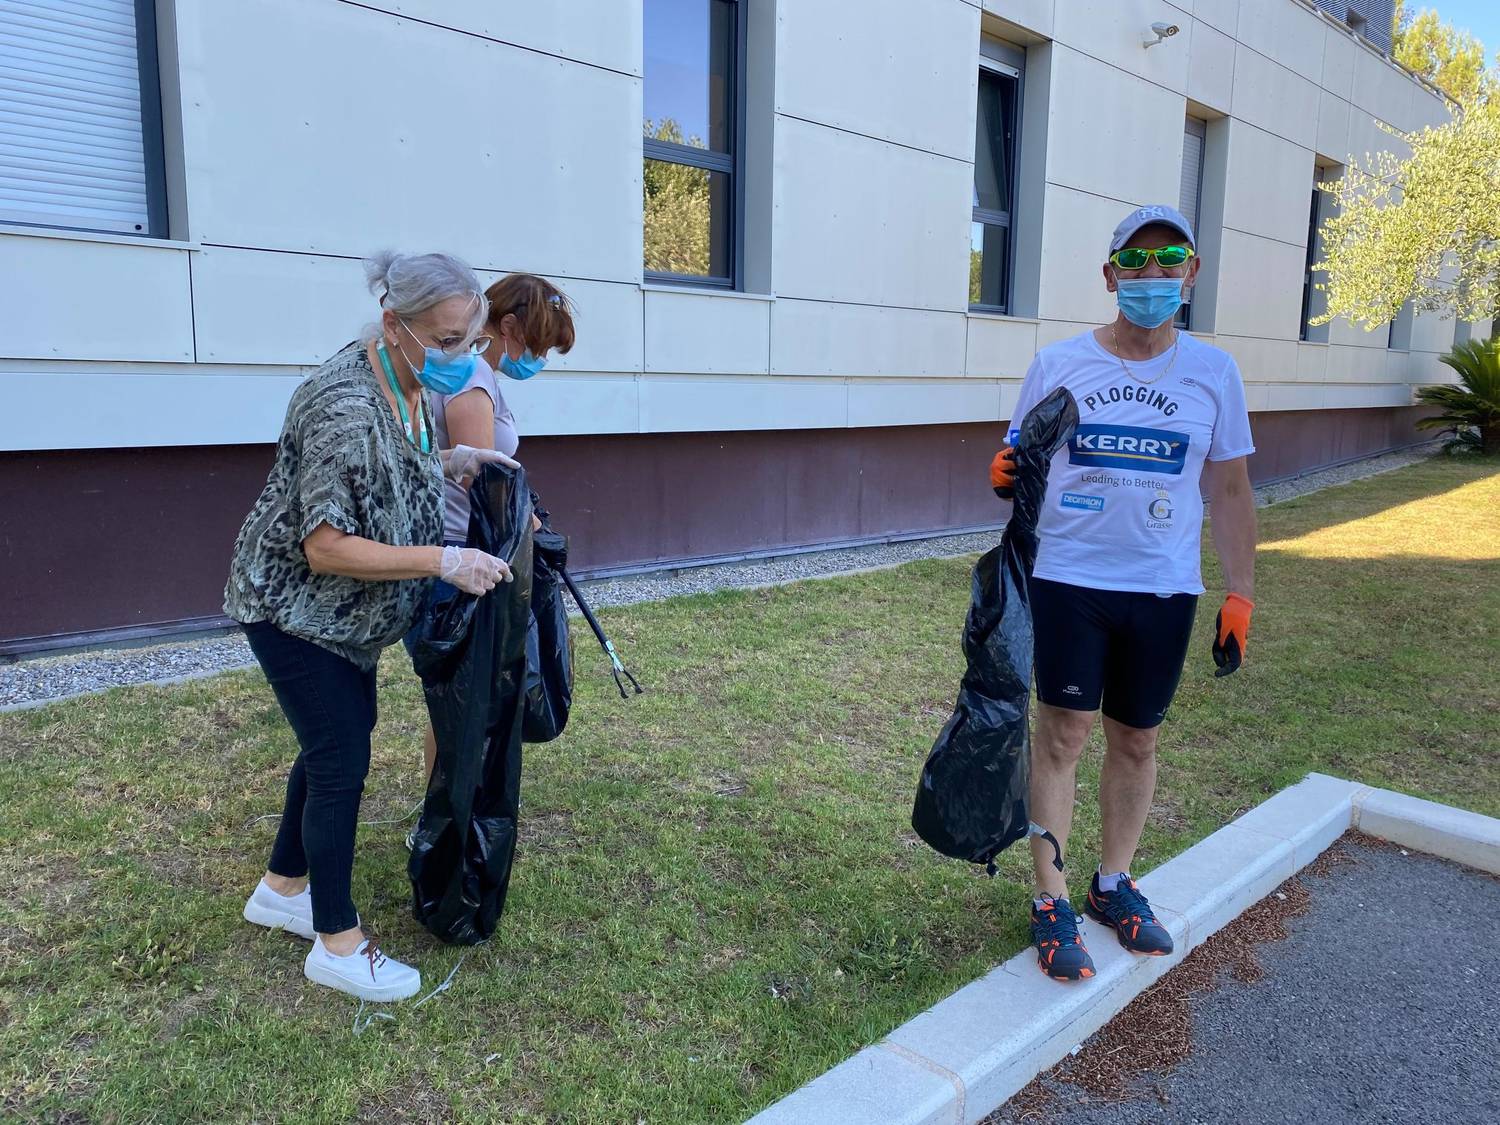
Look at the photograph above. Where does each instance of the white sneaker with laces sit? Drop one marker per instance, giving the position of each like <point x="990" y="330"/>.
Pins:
<point x="366" y="973"/>
<point x="275" y="911"/>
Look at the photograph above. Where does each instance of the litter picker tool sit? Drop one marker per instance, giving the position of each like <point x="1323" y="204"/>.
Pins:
<point x="616" y="666"/>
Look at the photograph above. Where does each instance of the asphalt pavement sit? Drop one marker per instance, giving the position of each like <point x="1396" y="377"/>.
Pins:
<point x="1381" y="1005"/>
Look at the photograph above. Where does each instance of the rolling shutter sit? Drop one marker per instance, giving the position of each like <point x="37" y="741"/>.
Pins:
<point x="1192" y="170"/>
<point x="72" y="152"/>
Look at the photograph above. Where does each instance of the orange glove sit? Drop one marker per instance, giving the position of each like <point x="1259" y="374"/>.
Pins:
<point x="1003" y="473"/>
<point x="1231" y="632"/>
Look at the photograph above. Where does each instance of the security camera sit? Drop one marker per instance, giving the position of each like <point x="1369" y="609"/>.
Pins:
<point x="1157" y="32"/>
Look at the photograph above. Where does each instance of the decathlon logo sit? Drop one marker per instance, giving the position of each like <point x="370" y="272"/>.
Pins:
<point x="1082" y="501"/>
<point x="1129" y="447"/>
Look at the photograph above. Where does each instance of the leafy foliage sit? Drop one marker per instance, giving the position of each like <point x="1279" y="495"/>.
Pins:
<point x="1425" y="228"/>
<point x="1450" y="59"/>
<point x="1474" y="402"/>
<point x="678" y="211"/>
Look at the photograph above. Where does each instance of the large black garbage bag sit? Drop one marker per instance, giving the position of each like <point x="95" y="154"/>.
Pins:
<point x="471" y="655"/>
<point x="971" y="802"/>
<point x="549" y="653"/>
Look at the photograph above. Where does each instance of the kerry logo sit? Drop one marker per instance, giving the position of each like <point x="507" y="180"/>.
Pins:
<point x="1128" y="447"/>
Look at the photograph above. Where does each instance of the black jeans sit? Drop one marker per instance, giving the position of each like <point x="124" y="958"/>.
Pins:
<point x="330" y="704"/>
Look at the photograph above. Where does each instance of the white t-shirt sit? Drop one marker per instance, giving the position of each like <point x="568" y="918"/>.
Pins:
<point x="1123" y="509"/>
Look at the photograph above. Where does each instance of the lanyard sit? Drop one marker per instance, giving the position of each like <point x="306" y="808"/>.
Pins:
<point x="425" y="445"/>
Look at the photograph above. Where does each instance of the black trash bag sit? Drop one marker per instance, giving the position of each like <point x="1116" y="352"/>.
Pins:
<point x="549" y="653"/>
<point x="471" y="655"/>
<point x="971" y="801"/>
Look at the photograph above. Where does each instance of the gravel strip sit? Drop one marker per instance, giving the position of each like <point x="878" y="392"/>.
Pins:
<point x="32" y="682"/>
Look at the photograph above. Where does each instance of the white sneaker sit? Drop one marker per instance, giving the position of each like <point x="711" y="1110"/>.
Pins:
<point x="366" y="973"/>
<point x="292" y="913"/>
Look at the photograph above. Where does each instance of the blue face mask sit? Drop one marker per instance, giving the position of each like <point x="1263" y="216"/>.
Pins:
<point x="441" y="373"/>
<point x="520" y="369"/>
<point x="1149" y="301"/>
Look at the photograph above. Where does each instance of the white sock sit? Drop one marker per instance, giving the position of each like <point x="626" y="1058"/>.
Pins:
<point x="1110" y="883"/>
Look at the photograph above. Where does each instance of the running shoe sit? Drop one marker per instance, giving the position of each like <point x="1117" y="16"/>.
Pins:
<point x="1126" y="911"/>
<point x="1059" y="947"/>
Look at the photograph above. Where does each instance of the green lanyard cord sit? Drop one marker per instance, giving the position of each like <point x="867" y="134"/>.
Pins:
<point x="425" y="444"/>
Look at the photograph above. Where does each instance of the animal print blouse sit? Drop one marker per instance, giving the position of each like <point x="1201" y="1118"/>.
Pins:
<point x="342" y="460"/>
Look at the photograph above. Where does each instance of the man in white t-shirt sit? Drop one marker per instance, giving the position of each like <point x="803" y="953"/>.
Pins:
<point x="1117" y="575"/>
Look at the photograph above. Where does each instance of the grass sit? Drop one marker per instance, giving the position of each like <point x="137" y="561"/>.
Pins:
<point x="718" y="894"/>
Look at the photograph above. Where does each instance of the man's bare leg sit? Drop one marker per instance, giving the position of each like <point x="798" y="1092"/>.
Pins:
<point x="1126" y="786"/>
<point x="1056" y="746"/>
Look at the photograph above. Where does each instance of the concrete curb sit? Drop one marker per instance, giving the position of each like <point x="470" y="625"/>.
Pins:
<point x="967" y="1055"/>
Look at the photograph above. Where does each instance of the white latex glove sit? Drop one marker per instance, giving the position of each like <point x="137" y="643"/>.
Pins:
<point x="463" y="462"/>
<point x="473" y="571"/>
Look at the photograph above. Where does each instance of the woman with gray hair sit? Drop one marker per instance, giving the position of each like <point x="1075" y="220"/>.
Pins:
<point x="329" y="569"/>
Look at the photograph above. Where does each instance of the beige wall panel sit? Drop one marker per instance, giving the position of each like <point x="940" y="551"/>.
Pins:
<point x="1076" y="230"/>
<point x="1268" y="187"/>
<point x="259" y="306"/>
<point x="1333" y="127"/>
<point x="1274" y="98"/>
<point x="1260" y="360"/>
<point x="931" y="402"/>
<point x="999" y="347"/>
<point x="1260" y="288"/>
<point x="821" y="338"/>
<point x="321" y="158"/>
<point x="1286" y="32"/>
<point x="603" y="33"/>
<point x="1211" y="67"/>
<point x="573" y="403"/>
<point x="690" y="405"/>
<point x="698" y="333"/>
<point x="899" y="78"/>
<point x="124" y="411"/>
<point x="1222" y="14"/>
<point x="1312" y="363"/>
<point x="1338" y="63"/>
<point x="1115" y="119"/>
<point x="75" y="299"/>
<point x="1035" y="16"/>
<point x="1110" y="30"/>
<point x="864" y="220"/>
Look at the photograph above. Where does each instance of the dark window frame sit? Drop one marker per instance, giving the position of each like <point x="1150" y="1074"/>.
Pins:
<point x="1196" y="127"/>
<point x="730" y="163"/>
<point x="153" y="144"/>
<point x="1314" y="221"/>
<point x="1007" y="62"/>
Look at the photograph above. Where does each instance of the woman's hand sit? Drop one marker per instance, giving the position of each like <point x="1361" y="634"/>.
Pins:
<point x="471" y="570"/>
<point x="463" y="462"/>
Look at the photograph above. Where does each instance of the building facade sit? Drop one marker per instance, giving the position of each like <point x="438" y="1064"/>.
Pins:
<point x="807" y="288"/>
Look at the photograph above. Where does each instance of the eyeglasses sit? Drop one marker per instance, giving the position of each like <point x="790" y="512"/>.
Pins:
<point x="1136" y="257"/>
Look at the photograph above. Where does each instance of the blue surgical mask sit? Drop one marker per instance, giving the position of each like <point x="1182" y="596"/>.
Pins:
<point x="524" y="368"/>
<point x="1149" y="301"/>
<point x="441" y="373"/>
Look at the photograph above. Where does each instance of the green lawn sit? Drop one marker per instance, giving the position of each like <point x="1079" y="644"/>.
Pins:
<point x="718" y="894"/>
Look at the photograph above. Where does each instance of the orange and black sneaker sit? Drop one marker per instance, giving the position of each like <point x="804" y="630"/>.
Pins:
<point x="1059" y="947"/>
<point x="1126" y="911"/>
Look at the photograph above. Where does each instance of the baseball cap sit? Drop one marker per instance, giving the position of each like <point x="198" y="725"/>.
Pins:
<point x="1152" y="213"/>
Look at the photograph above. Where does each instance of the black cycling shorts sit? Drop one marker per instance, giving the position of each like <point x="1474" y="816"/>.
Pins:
<point x="1117" y="648"/>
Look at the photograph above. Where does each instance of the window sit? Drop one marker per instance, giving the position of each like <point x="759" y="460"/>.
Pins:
<point x="80" y="132"/>
<point x="1313" y="301"/>
<point x="693" y="135"/>
<point x="1355" y="20"/>
<point x="995" y="147"/>
<point x="1399" y="339"/>
<point x="1190" y="194"/>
